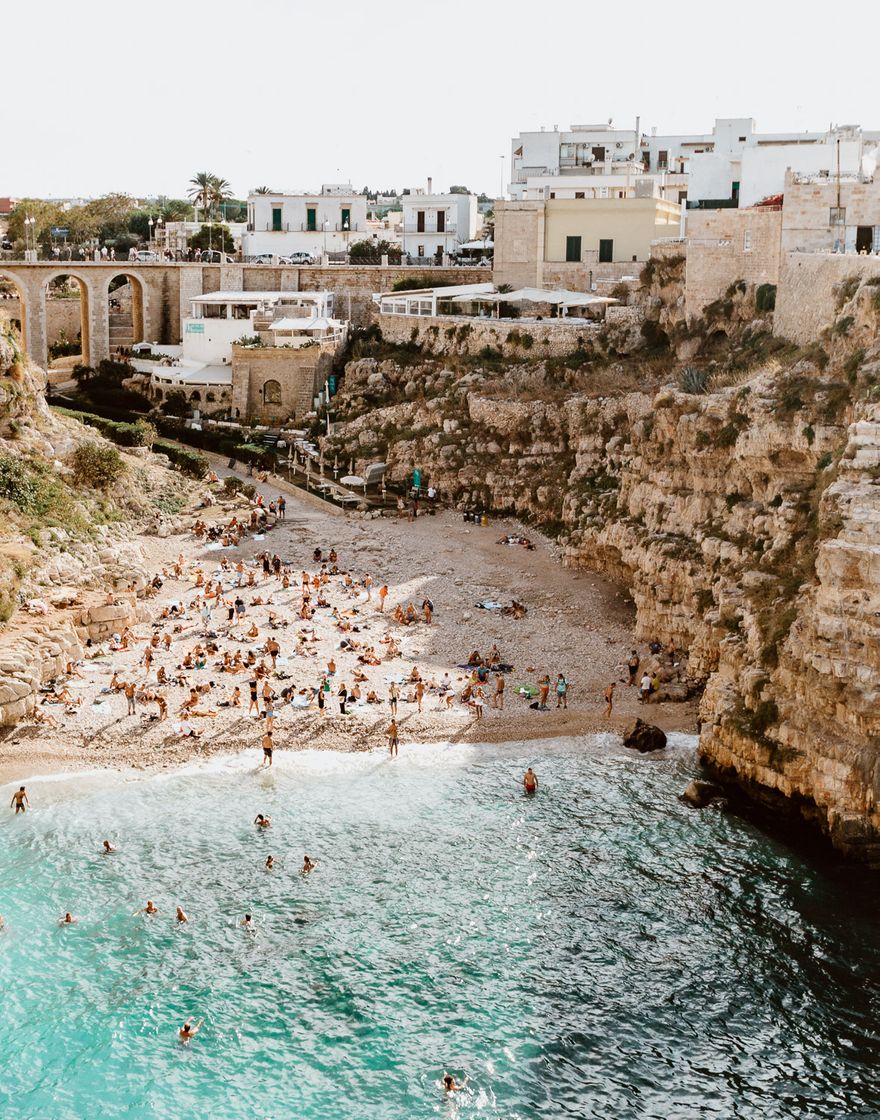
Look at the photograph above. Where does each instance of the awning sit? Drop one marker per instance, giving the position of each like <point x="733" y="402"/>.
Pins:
<point x="478" y="245"/>
<point x="317" y="324"/>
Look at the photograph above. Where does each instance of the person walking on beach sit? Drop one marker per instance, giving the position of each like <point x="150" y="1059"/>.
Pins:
<point x="393" y="697"/>
<point x="561" y="692"/>
<point x="129" y="690"/>
<point x="633" y="667"/>
<point x="20" y="801"/>
<point x="343" y="698"/>
<point x="609" y="699"/>
<point x="427" y="610"/>
<point x="498" y="698"/>
<point x="392" y="736"/>
<point x="254" y="702"/>
<point x="478" y="702"/>
<point x="268" y="748"/>
<point x="544" y="691"/>
<point x="530" y="781"/>
<point x="383" y="591"/>
<point x="189" y="1031"/>
<point x="420" y="692"/>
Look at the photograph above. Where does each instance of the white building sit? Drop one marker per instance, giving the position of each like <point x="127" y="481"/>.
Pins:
<point x="203" y="363"/>
<point x="328" y="222"/>
<point x="733" y="165"/>
<point x="434" y="225"/>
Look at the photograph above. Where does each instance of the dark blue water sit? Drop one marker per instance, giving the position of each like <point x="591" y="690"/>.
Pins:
<point x="598" y="950"/>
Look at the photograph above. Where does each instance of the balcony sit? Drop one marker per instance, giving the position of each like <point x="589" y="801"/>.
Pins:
<point x="303" y="227"/>
<point x="413" y="227"/>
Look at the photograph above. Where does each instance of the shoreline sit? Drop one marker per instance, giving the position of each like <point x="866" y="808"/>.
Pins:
<point x="577" y="623"/>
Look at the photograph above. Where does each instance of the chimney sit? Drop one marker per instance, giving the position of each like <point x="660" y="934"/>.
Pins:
<point x="430" y="184"/>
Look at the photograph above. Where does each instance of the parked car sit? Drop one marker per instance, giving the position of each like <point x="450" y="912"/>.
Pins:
<point x="297" y="258"/>
<point x="144" y="256"/>
<point x="213" y="256"/>
<point x="262" y="258"/>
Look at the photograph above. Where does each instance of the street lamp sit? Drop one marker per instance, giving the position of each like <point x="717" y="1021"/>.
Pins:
<point x="150" y="235"/>
<point x="30" y="244"/>
<point x="326" y="227"/>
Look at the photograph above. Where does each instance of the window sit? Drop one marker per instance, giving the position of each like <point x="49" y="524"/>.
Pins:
<point x="599" y="154"/>
<point x="578" y="194"/>
<point x="662" y="159"/>
<point x="311" y="219"/>
<point x="837" y="216"/>
<point x="606" y="250"/>
<point x="346" y="218"/>
<point x="272" y="392"/>
<point x="553" y="194"/>
<point x="441" y="221"/>
<point x="573" y="249"/>
<point x="742" y="139"/>
<point x="420" y="221"/>
<point x="276" y="219"/>
<point x="747" y="241"/>
<point x="421" y="251"/>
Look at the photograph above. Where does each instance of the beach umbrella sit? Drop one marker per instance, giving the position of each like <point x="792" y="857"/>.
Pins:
<point x="351" y="480"/>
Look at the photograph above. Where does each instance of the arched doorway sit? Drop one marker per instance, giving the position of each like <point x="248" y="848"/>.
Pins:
<point x="125" y="319"/>
<point x="272" y="392"/>
<point x="68" y="318"/>
<point x="13" y="306"/>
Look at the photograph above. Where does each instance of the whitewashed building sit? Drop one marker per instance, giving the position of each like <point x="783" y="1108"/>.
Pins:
<point x="434" y="225"/>
<point x="327" y="222"/>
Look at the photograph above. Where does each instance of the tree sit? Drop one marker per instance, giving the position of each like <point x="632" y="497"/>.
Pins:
<point x="458" y="189"/>
<point x="175" y="403"/>
<point x="214" y="235"/>
<point x="201" y="187"/>
<point x="263" y="190"/>
<point x="371" y="252"/>
<point x="177" y="210"/>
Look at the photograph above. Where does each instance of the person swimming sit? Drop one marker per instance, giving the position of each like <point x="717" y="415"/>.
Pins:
<point x="451" y="1086"/>
<point x="270" y="862"/>
<point x="248" y="922"/>
<point x="108" y="848"/>
<point x="181" y="915"/>
<point x="188" y="1032"/>
<point x="262" y="821"/>
<point x="308" y="865"/>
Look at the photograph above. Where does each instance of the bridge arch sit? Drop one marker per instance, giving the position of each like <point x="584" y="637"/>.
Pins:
<point x="85" y="317"/>
<point x="125" y="310"/>
<point x="20" y="320"/>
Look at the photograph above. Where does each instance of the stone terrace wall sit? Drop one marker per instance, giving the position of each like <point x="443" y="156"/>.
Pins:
<point x="462" y="334"/>
<point x="717" y="255"/>
<point x="805" y="301"/>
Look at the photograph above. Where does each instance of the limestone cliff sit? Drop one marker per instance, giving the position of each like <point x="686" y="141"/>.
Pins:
<point x="64" y="534"/>
<point x="738" y="499"/>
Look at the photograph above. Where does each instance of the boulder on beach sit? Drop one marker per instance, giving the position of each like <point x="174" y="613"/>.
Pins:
<point x="702" y="794"/>
<point x="641" y="736"/>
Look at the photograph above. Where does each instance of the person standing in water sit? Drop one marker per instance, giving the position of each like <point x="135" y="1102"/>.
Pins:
<point x="268" y="748"/>
<point x="530" y="781"/>
<point x="20" y="801"/>
<point x="188" y="1032"/>
<point x="392" y="735"/>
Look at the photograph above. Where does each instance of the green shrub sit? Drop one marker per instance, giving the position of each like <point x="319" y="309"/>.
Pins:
<point x="693" y="380"/>
<point x="139" y="434"/>
<point x="189" y="463"/>
<point x="95" y="466"/>
<point x="765" y="297"/>
<point x="852" y="363"/>
<point x="809" y="433"/>
<point x="728" y="436"/>
<point x="842" y="326"/>
<point x="232" y="485"/>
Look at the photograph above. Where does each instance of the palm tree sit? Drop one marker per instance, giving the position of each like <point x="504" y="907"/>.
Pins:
<point x="263" y="190"/>
<point x="220" y="192"/>
<point x="200" y="191"/>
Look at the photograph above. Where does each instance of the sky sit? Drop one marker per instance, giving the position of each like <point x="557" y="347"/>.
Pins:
<point x="102" y="97"/>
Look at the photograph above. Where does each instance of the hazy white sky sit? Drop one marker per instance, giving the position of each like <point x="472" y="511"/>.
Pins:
<point x="105" y="96"/>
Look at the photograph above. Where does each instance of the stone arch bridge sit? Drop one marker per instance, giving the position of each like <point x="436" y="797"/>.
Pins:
<point x="160" y="293"/>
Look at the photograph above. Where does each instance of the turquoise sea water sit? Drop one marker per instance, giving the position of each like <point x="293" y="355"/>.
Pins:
<point x="598" y="950"/>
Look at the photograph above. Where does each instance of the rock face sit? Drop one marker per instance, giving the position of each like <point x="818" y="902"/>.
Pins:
<point x="740" y="503"/>
<point x="702" y="794"/>
<point x="641" y="736"/>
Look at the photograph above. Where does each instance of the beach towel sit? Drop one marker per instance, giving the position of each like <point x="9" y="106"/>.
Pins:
<point x="489" y="605"/>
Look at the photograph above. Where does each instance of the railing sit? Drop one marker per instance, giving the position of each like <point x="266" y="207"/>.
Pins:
<point x="413" y="227"/>
<point x="304" y="227"/>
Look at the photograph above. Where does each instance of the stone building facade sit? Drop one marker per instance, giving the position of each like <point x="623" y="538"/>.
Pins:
<point x="275" y="384"/>
<point x="724" y="246"/>
<point x="831" y="215"/>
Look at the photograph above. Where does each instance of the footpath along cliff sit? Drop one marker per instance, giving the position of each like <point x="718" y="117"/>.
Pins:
<point x="731" y="480"/>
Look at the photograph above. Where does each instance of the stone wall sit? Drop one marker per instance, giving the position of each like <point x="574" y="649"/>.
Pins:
<point x="806" y="302"/>
<point x="463" y="334"/>
<point x="728" y="245"/>
<point x="299" y="373"/>
<point x="806" y="222"/>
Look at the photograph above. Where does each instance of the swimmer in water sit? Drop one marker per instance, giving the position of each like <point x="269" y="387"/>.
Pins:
<point x="248" y="922"/>
<point x="270" y="862"/>
<point x="150" y="908"/>
<point x="67" y="920"/>
<point x="262" y="822"/>
<point x="530" y="781"/>
<point x="308" y="865"/>
<point x="181" y="915"/>
<point x="450" y="1085"/>
<point x="108" y="848"/>
<point x="188" y="1031"/>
